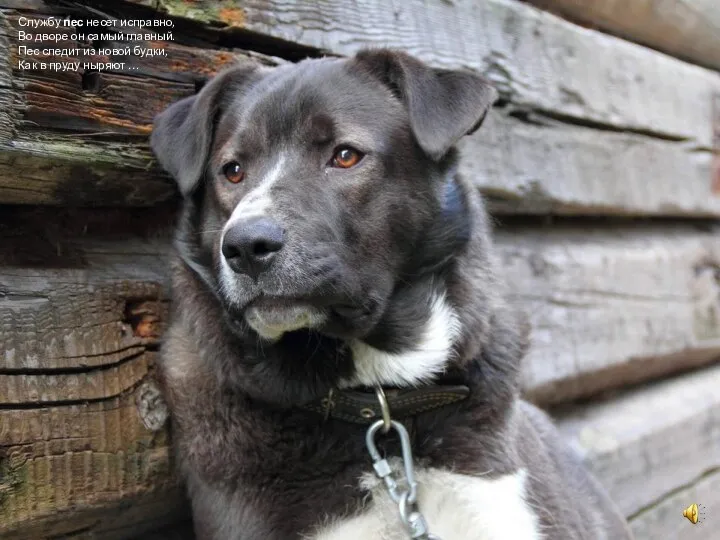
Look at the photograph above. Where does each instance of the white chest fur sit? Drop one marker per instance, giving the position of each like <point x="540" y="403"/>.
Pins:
<point x="416" y="365"/>
<point x="456" y="507"/>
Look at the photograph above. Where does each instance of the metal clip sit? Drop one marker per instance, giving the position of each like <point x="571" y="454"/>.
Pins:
<point x="415" y="524"/>
<point x="407" y="458"/>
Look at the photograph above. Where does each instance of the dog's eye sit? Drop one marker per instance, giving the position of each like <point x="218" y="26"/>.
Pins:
<point x="233" y="172"/>
<point x="346" y="157"/>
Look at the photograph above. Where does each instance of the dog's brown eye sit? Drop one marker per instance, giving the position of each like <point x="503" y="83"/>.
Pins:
<point x="346" y="157"/>
<point x="233" y="172"/>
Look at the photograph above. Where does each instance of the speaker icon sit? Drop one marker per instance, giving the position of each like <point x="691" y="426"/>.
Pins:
<point x="693" y="513"/>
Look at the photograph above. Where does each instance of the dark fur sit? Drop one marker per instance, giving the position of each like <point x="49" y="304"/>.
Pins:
<point x="367" y="246"/>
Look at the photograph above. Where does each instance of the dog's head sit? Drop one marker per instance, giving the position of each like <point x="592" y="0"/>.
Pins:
<point x="324" y="196"/>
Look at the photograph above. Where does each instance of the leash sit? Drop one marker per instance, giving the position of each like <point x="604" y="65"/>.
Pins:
<point x="406" y="499"/>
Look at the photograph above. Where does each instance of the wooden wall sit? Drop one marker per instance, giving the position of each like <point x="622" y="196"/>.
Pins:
<point x="601" y="163"/>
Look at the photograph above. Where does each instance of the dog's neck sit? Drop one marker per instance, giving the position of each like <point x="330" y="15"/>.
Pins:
<point x="414" y="343"/>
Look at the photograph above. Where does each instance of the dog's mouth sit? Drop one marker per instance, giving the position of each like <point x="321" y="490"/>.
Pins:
<point x="271" y="317"/>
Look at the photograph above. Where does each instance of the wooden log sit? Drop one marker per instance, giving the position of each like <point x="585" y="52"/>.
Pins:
<point x="652" y="441"/>
<point x="536" y="165"/>
<point x="687" y="30"/>
<point x="67" y="468"/>
<point x="538" y="60"/>
<point x="607" y="306"/>
<point x="87" y="385"/>
<point x="80" y="292"/>
<point x="612" y="306"/>
<point x="524" y="162"/>
<point x="83" y="446"/>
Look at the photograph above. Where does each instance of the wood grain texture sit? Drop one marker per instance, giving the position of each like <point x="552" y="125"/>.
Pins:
<point x="686" y="29"/>
<point x="74" y="387"/>
<point x="537" y="60"/>
<point x="54" y="144"/>
<point x="69" y="468"/>
<point x="83" y="301"/>
<point x="533" y="164"/>
<point x="523" y="160"/>
<point x="647" y="443"/>
<point x="612" y="306"/>
<point x="80" y="137"/>
<point x="608" y="306"/>
<point x="80" y="291"/>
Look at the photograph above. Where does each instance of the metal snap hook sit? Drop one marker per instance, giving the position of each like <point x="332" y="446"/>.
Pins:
<point x="406" y="499"/>
<point x="407" y="457"/>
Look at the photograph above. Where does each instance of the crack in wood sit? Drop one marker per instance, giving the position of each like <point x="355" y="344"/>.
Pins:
<point x="669" y="494"/>
<point x="36" y="405"/>
<point x="536" y="116"/>
<point x="137" y="352"/>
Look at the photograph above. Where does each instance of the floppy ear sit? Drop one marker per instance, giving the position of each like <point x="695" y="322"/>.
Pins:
<point x="183" y="133"/>
<point x="444" y="105"/>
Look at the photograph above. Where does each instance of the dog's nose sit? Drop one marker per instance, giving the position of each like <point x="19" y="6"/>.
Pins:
<point x="250" y="245"/>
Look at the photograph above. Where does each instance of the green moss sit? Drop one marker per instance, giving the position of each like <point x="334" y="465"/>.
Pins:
<point x="206" y="13"/>
<point x="13" y="480"/>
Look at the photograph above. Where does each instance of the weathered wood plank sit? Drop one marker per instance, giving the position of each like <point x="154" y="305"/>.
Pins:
<point x="20" y="389"/>
<point x="82" y="291"/>
<point x="664" y="518"/>
<point x="612" y="306"/>
<point x="538" y="60"/>
<point x="523" y="162"/>
<point x="651" y="441"/>
<point x="688" y="30"/>
<point x="67" y="468"/>
<point x="80" y="137"/>
<point x="134" y="518"/>
<point x="608" y="306"/>
<point x="534" y="164"/>
<point x="49" y="158"/>
<point x="83" y="301"/>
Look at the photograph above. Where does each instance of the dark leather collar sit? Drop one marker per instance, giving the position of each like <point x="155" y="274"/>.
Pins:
<point x="363" y="407"/>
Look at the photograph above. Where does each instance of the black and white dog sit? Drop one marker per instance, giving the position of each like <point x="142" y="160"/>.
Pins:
<point x="327" y="247"/>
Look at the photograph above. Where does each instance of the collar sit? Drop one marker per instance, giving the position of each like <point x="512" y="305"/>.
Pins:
<point x="363" y="406"/>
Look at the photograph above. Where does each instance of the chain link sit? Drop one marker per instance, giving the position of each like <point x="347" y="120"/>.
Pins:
<point x="406" y="499"/>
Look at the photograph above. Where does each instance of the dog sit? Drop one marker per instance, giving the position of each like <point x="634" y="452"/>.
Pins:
<point x="336" y="274"/>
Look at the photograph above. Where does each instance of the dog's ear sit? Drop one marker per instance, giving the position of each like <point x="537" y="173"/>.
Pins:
<point x="182" y="134"/>
<point x="444" y="105"/>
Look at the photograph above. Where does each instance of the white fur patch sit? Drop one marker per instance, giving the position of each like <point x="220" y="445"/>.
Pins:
<point x="455" y="506"/>
<point x="415" y="366"/>
<point x="284" y="320"/>
<point x="255" y="203"/>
